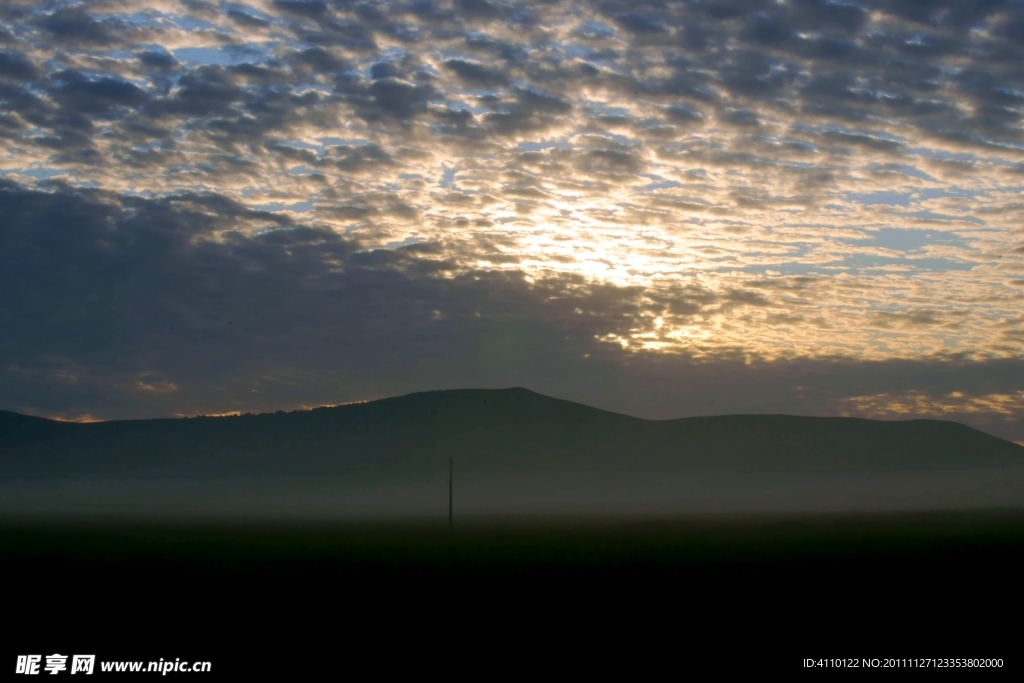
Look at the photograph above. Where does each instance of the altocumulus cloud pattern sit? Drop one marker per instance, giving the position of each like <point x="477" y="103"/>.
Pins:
<point x="793" y="206"/>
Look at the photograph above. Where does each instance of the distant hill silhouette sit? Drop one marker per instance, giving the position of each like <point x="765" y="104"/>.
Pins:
<point x="482" y="430"/>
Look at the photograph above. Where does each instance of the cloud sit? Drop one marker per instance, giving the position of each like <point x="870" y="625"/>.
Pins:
<point x="76" y="26"/>
<point x="143" y="306"/>
<point x="639" y="24"/>
<point x="385" y="99"/>
<point x="15" y="66"/>
<point x="476" y="73"/>
<point x="478" y="9"/>
<point x="710" y="183"/>
<point x="321" y="60"/>
<point x="158" y="61"/>
<point x="302" y="8"/>
<point x="97" y="97"/>
<point x="246" y="20"/>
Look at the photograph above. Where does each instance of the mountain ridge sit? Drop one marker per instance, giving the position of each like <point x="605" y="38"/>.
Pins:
<point x="483" y="428"/>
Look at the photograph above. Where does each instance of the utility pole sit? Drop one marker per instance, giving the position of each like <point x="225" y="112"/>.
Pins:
<point x="451" y="467"/>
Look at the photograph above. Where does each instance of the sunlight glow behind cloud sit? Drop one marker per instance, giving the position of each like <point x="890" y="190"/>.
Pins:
<point x="743" y="179"/>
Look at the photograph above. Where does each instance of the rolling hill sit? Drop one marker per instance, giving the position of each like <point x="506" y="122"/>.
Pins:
<point x="483" y="430"/>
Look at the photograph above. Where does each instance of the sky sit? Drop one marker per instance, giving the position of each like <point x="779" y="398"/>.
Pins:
<point x="660" y="208"/>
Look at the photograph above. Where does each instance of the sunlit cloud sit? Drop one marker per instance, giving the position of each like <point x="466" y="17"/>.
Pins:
<point x="920" y="404"/>
<point x="734" y="182"/>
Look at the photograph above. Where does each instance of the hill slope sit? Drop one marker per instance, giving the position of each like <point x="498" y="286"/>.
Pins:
<point x="510" y="429"/>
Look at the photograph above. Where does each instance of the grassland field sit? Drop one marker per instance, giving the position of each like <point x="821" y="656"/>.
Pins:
<point x="778" y="587"/>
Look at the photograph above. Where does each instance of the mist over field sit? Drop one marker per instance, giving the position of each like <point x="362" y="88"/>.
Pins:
<point x="515" y="452"/>
<point x="562" y="494"/>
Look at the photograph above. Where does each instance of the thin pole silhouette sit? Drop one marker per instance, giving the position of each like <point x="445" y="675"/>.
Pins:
<point x="451" y="466"/>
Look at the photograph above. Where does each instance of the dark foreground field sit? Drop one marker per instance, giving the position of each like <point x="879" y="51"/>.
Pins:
<point x="759" y="593"/>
